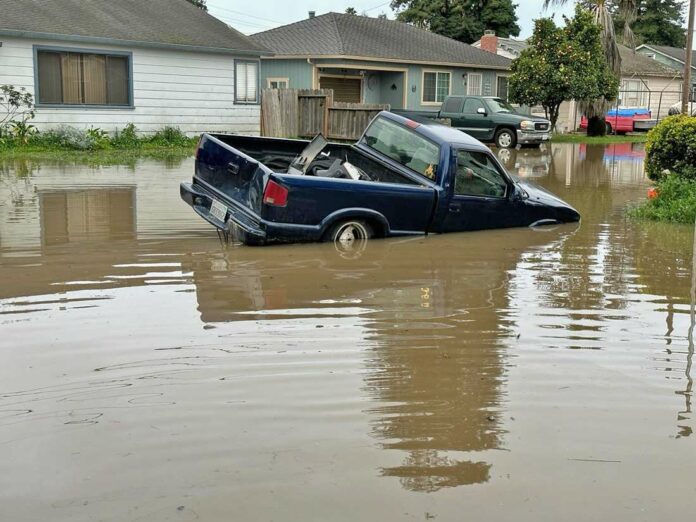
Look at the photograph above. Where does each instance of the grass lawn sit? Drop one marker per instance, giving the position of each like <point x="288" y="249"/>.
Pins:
<point x="107" y="156"/>
<point x="598" y="140"/>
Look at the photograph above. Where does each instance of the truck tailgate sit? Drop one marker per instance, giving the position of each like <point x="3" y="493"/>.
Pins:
<point x="232" y="176"/>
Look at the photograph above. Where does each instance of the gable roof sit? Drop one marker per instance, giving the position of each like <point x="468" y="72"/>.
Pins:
<point x="143" y="23"/>
<point x="344" y="35"/>
<point x="672" y="52"/>
<point x="633" y="63"/>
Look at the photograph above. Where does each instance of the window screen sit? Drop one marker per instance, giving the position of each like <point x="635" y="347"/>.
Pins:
<point x="67" y="78"/>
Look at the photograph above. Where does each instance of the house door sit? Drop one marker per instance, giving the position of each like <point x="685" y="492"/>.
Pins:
<point x="345" y="89"/>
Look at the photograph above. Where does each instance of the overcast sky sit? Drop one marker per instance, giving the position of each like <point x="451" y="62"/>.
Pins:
<point x="253" y="16"/>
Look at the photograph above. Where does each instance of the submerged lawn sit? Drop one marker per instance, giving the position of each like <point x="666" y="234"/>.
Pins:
<point x="598" y="140"/>
<point x="109" y="156"/>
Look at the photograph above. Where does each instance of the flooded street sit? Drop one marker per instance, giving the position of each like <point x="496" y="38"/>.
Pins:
<point x="149" y="373"/>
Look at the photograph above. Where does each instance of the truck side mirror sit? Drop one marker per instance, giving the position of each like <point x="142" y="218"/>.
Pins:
<point x="481" y="110"/>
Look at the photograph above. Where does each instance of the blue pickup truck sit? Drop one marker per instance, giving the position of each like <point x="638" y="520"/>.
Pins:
<point x="401" y="178"/>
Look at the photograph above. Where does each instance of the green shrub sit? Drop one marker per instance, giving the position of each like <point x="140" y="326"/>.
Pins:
<point x="66" y="137"/>
<point x="672" y="146"/>
<point x="170" y="137"/>
<point x="127" y="138"/>
<point x="675" y="202"/>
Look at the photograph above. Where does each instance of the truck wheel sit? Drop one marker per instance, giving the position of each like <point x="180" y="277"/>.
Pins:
<point x="350" y="236"/>
<point x="505" y="139"/>
<point x="608" y="127"/>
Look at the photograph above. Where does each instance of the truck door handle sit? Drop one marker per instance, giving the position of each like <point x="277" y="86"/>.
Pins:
<point x="455" y="209"/>
<point x="232" y="168"/>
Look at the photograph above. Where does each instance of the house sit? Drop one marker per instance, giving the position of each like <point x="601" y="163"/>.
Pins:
<point x="507" y="47"/>
<point x="106" y="63"/>
<point x="672" y="57"/>
<point x="373" y="60"/>
<point x="645" y="83"/>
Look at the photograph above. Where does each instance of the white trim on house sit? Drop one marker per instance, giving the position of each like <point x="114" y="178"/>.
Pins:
<point x="278" y="80"/>
<point x="471" y="75"/>
<point x="384" y="60"/>
<point x="436" y="71"/>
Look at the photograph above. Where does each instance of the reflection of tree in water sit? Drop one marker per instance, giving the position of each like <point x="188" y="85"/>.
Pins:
<point x="581" y="272"/>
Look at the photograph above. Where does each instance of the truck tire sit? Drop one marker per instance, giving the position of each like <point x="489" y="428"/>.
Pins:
<point x="349" y="235"/>
<point x="505" y="138"/>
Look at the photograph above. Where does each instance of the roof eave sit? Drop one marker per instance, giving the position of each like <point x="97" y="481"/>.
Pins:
<point x="131" y="43"/>
<point x="379" y="59"/>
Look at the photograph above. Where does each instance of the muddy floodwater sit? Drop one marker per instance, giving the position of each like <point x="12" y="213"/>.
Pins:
<point x="150" y="373"/>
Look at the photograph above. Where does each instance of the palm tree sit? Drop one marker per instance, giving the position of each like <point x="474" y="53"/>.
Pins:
<point x="602" y="10"/>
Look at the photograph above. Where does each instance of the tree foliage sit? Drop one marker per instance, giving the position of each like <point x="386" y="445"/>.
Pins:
<point x="201" y="4"/>
<point x="351" y="11"/>
<point x="659" y="22"/>
<point x="463" y="20"/>
<point x="16" y="107"/>
<point x="561" y="64"/>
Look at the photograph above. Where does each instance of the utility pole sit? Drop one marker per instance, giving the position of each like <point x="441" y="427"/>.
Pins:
<point x="687" y="62"/>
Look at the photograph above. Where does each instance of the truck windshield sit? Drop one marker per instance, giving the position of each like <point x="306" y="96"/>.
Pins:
<point x="404" y="146"/>
<point x="498" y="105"/>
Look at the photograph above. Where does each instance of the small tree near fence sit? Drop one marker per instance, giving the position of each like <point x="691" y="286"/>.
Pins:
<point x="16" y="107"/>
<point x="562" y="64"/>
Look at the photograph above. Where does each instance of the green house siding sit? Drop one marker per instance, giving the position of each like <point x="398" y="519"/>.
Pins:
<point x="379" y="86"/>
<point x="669" y="62"/>
<point x="298" y="72"/>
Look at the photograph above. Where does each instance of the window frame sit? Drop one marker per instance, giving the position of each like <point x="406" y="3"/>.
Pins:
<point x="258" y="82"/>
<point x="501" y="171"/>
<point x="82" y="50"/>
<point x="436" y="72"/>
<point x="277" y="80"/>
<point x="468" y="84"/>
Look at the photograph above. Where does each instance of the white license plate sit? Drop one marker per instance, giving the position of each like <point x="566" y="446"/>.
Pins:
<point x="545" y="137"/>
<point x="218" y="210"/>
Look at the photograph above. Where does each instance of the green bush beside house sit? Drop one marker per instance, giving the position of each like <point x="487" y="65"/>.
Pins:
<point x="671" y="163"/>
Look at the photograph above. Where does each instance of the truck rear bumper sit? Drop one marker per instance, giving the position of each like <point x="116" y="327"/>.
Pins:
<point x="244" y="226"/>
<point x="527" y="138"/>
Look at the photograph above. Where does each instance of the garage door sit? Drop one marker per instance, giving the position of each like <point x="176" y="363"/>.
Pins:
<point x="345" y="89"/>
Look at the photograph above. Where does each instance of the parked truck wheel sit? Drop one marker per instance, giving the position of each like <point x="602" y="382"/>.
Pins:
<point x="350" y="235"/>
<point x="505" y="139"/>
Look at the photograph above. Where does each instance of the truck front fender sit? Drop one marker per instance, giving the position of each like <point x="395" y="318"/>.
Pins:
<point x="374" y="218"/>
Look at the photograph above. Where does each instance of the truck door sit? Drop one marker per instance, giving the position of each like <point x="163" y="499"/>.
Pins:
<point x="475" y="119"/>
<point x="478" y="194"/>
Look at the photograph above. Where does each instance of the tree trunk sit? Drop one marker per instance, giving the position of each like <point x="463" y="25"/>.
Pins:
<point x="596" y="126"/>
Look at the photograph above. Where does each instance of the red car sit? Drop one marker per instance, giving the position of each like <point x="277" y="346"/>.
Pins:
<point x="621" y="120"/>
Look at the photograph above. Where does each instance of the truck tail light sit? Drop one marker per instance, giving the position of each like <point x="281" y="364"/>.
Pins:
<point x="275" y="194"/>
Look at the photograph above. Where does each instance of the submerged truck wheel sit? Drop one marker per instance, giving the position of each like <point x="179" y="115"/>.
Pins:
<point x="349" y="236"/>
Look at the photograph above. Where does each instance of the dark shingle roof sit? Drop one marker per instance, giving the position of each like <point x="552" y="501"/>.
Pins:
<point x="633" y="63"/>
<point x="673" y="52"/>
<point x="160" y="23"/>
<point x="335" y="34"/>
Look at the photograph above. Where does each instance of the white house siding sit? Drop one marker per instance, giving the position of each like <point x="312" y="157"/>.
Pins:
<point x="190" y="90"/>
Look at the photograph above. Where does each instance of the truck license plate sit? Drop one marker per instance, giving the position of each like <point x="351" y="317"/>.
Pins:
<point x="218" y="210"/>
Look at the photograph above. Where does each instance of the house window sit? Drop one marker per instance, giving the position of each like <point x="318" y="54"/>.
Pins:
<point x="502" y="87"/>
<point x="81" y="78"/>
<point x="278" y="83"/>
<point x="474" y="84"/>
<point x="633" y="94"/>
<point x="246" y="82"/>
<point x="436" y="86"/>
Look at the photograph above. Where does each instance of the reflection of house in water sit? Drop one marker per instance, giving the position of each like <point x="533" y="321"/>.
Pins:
<point x="435" y="323"/>
<point x="83" y="215"/>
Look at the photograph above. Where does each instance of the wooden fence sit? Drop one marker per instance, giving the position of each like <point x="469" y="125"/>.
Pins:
<point x="304" y="113"/>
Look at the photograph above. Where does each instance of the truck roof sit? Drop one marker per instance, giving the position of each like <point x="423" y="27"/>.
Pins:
<point x="437" y="132"/>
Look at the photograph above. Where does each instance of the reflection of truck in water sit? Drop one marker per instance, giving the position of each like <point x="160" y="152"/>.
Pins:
<point x="401" y="178"/>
